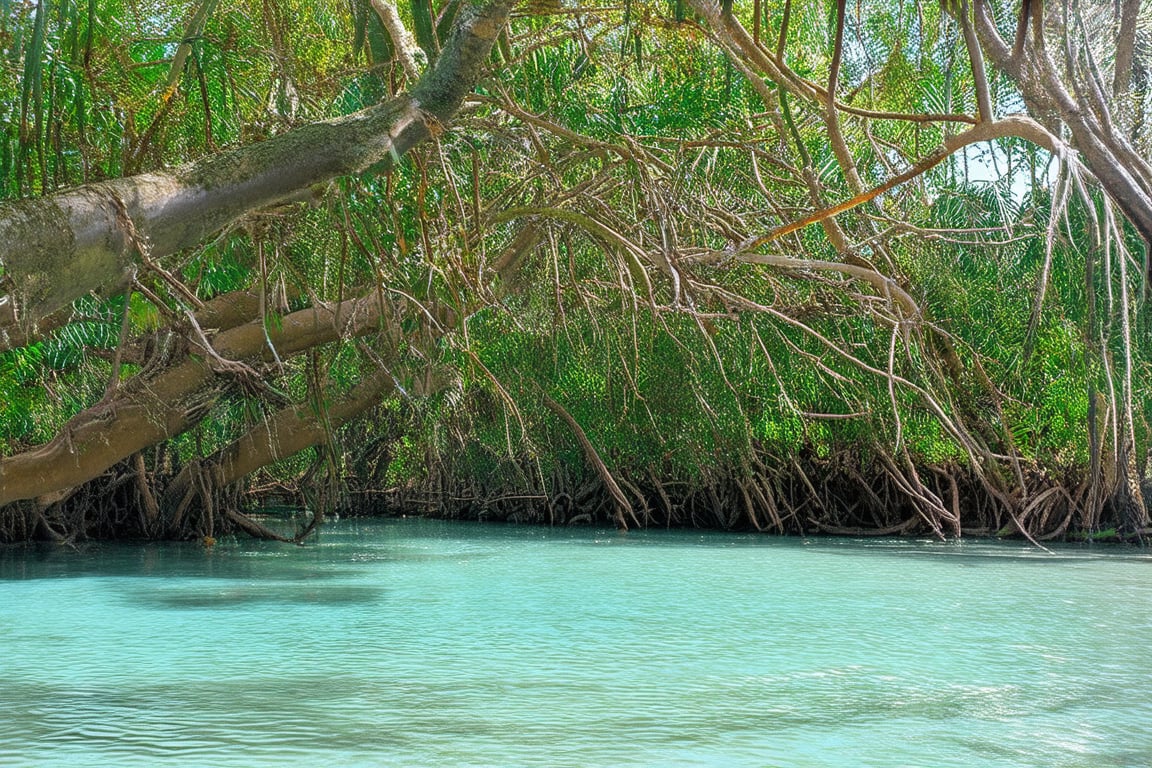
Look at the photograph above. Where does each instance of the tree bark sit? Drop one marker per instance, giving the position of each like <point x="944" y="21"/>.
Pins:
<point x="1125" y="46"/>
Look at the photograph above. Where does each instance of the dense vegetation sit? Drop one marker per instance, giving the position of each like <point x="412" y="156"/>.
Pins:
<point x="647" y="272"/>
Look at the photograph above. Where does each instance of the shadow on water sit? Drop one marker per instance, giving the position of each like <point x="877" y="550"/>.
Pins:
<point x="229" y="560"/>
<point x="341" y="550"/>
<point x="275" y="593"/>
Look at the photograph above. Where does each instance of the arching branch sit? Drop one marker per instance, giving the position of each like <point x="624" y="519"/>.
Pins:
<point x="1021" y="127"/>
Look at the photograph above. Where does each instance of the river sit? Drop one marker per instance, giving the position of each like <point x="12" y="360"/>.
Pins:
<point x="417" y="643"/>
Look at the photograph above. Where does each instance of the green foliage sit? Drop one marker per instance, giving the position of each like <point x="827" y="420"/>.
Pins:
<point x="635" y="124"/>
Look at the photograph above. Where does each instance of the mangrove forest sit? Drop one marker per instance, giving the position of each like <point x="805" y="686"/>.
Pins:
<point x="867" y="268"/>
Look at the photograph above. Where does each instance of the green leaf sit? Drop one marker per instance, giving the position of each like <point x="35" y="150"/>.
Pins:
<point x="424" y="27"/>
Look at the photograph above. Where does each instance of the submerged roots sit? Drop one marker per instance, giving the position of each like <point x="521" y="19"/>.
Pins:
<point x="837" y="495"/>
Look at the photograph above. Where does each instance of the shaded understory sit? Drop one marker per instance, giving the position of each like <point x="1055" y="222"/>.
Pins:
<point x="841" y="494"/>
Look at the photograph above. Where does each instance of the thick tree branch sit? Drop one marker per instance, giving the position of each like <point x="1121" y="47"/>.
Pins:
<point x="283" y="434"/>
<point x="58" y="248"/>
<point x="1124" y="175"/>
<point x="149" y="409"/>
<point x="991" y="42"/>
<point x="14" y="334"/>
<point x="976" y="58"/>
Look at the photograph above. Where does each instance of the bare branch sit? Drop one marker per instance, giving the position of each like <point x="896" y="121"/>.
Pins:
<point x="412" y="58"/>
<point x="976" y="57"/>
<point x="619" y="501"/>
<point x="1019" y="126"/>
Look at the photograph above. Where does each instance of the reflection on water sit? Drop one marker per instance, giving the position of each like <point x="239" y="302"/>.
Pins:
<point x="413" y="643"/>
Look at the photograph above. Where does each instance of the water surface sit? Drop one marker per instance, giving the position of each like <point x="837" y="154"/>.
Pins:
<point x="414" y="643"/>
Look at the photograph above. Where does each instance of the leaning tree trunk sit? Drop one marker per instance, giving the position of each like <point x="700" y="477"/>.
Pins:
<point x="58" y="248"/>
<point x="149" y="409"/>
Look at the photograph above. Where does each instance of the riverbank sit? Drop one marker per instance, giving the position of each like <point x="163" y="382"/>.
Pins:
<point x="838" y="495"/>
<point x="838" y="502"/>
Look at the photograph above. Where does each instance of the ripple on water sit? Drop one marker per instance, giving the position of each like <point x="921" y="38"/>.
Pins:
<point x="406" y="643"/>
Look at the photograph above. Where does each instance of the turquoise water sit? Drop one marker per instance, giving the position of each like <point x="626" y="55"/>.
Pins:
<point x="412" y="643"/>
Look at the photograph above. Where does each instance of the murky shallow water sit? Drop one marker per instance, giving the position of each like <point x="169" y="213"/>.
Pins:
<point x="417" y="643"/>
